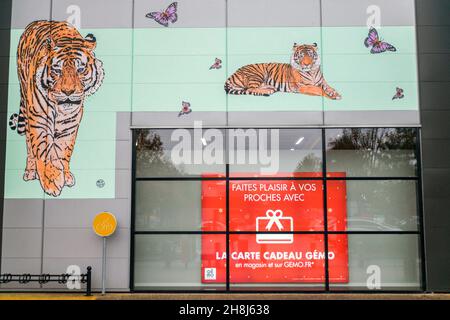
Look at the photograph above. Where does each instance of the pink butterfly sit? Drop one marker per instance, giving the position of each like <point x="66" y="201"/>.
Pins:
<point x="166" y="16"/>
<point x="378" y="46"/>
<point x="186" y="109"/>
<point x="217" y="64"/>
<point x="399" y="94"/>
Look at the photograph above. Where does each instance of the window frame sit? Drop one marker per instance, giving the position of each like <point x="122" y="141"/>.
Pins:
<point x="325" y="232"/>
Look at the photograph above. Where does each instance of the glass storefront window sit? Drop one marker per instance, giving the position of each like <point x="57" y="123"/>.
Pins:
<point x="179" y="153"/>
<point x="171" y="262"/>
<point x="275" y="152"/>
<point x="379" y="262"/>
<point x="374" y="152"/>
<point x="180" y="205"/>
<point x="373" y="205"/>
<point x="292" y="266"/>
<point x="264" y="191"/>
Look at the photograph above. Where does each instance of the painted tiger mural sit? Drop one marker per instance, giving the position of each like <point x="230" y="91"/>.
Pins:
<point x="57" y="70"/>
<point x="302" y="75"/>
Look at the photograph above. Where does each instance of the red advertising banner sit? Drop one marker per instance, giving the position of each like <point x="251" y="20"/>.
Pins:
<point x="271" y="209"/>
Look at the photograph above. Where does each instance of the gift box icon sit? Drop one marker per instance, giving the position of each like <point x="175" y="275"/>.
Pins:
<point x="274" y="221"/>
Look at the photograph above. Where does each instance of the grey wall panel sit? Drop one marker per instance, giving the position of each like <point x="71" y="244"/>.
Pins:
<point x="22" y="243"/>
<point x="5" y="14"/>
<point x="21" y="265"/>
<point x="84" y="243"/>
<point x="123" y="123"/>
<point x="171" y="119"/>
<point x="433" y="12"/>
<point x="4" y="69"/>
<point x="354" y="12"/>
<point x="191" y="13"/>
<point x="3" y="108"/>
<point x="123" y="184"/>
<point x="269" y="13"/>
<point x="95" y="14"/>
<point x="274" y="118"/>
<point x="19" y="213"/>
<point x="438" y="257"/>
<point x="5" y="25"/>
<point x="433" y="34"/>
<point x="434" y="95"/>
<point x="4" y="116"/>
<point x="117" y="271"/>
<point x="123" y="154"/>
<point x="434" y="67"/>
<point x="27" y="11"/>
<point x="80" y="213"/>
<point x="434" y="39"/>
<point x="361" y="118"/>
<point x="436" y="183"/>
<point x="436" y="153"/>
<point x="436" y="125"/>
<point x="4" y="39"/>
<point x="438" y="206"/>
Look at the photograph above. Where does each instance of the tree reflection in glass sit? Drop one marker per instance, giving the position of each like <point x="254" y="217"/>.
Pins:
<point x="151" y="159"/>
<point x="372" y="151"/>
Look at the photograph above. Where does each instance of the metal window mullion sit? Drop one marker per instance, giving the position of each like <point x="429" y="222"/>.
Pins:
<point x="224" y="232"/>
<point x="325" y="210"/>
<point x="133" y="208"/>
<point x="227" y="223"/>
<point x="420" y="207"/>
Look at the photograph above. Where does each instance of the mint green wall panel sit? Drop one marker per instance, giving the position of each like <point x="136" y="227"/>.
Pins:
<point x="364" y="96"/>
<point x="168" y="97"/>
<point x="13" y="97"/>
<point x="112" y="42"/>
<point x="86" y="159"/>
<point x="173" y="69"/>
<point x="280" y="40"/>
<point x="277" y="102"/>
<point x="117" y="68"/>
<point x="86" y="185"/>
<point x="152" y="69"/>
<point x="16" y="187"/>
<point x="344" y="40"/>
<point x="179" y="41"/>
<point x="370" y="68"/>
<point x="112" y="97"/>
<point x="13" y="70"/>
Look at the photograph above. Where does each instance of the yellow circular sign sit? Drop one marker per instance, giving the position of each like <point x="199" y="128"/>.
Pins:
<point x="104" y="224"/>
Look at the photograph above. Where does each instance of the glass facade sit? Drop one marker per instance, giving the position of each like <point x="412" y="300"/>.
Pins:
<point x="282" y="209"/>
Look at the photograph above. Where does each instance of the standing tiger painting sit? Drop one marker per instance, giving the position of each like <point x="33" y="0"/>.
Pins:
<point x="301" y="75"/>
<point x="57" y="70"/>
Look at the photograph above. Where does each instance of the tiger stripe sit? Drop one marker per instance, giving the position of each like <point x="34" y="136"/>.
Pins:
<point x="302" y="75"/>
<point x="57" y="69"/>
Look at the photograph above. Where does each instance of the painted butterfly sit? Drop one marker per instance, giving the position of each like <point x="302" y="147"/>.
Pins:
<point x="378" y="46"/>
<point x="399" y="94"/>
<point x="166" y="16"/>
<point x="186" y="109"/>
<point x="217" y="64"/>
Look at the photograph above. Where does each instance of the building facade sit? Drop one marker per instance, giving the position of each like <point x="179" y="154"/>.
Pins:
<point x="243" y="145"/>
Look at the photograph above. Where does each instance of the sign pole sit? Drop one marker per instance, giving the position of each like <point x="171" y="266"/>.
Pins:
<point x="104" y="267"/>
<point x="104" y="225"/>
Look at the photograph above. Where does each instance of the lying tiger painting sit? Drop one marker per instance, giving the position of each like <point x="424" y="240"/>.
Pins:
<point x="57" y="70"/>
<point x="302" y="75"/>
